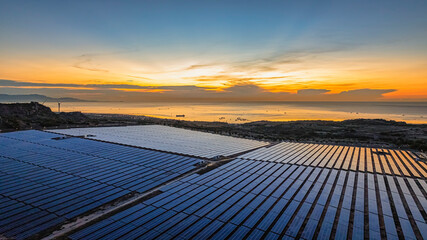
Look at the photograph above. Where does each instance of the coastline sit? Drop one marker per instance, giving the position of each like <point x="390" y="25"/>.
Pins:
<point x="358" y="132"/>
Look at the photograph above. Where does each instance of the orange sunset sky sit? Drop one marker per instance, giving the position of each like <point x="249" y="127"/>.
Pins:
<point x="216" y="50"/>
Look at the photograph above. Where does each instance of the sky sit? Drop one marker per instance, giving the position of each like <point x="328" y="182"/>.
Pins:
<point x="306" y="50"/>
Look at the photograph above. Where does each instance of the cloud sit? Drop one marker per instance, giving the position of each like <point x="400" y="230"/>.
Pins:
<point x="248" y="89"/>
<point x="230" y="80"/>
<point x="363" y="94"/>
<point x="366" y="92"/>
<point x="238" y="92"/>
<point x="255" y="68"/>
<point x="87" y="60"/>
<point x="199" y="66"/>
<point x="12" y="83"/>
<point x="312" y="91"/>
<point x="250" y="68"/>
<point x="289" y="57"/>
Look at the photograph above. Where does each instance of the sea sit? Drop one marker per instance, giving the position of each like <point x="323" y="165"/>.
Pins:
<point x="410" y="112"/>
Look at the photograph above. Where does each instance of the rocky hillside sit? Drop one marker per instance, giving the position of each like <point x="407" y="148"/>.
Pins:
<point x="18" y="116"/>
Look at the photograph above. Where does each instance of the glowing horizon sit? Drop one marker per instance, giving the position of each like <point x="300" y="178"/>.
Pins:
<point x="216" y="51"/>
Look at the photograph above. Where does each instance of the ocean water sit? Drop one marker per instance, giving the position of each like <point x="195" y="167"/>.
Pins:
<point x="245" y="112"/>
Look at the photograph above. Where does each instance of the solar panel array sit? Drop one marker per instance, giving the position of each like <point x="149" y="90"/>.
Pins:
<point x="395" y="162"/>
<point x="45" y="182"/>
<point x="305" y="199"/>
<point x="169" y="139"/>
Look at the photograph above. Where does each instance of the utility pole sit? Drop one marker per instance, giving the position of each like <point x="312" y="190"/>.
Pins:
<point x="59" y="107"/>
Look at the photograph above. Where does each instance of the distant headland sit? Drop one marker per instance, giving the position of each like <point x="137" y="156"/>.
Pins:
<point x="35" y="98"/>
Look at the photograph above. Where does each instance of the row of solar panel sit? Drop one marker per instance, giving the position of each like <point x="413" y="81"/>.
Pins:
<point x="169" y="139"/>
<point x="96" y="149"/>
<point x="152" y="166"/>
<point x="44" y="182"/>
<point x="386" y="161"/>
<point x="29" y="193"/>
<point x="31" y="220"/>
<point x="255" y="199"/>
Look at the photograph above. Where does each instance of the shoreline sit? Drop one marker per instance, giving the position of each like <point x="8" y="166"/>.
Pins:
<point x="414" y="113"/>
<point x="361" y="132"/>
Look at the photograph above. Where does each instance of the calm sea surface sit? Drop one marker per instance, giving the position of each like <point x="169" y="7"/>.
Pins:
<point x="245" y="112"/>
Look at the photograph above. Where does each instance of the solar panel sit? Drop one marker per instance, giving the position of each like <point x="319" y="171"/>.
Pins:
<point x="396" y="162"/>
<point x="285" y="191"/>
<point x="46" y="181"/>
<point x="291" y="201"/>
<point x="169" y="139"/>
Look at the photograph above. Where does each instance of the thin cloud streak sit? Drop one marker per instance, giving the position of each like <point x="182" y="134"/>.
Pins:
<point x="239" y="92"/>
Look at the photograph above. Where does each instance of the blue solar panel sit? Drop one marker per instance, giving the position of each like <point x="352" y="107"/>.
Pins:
<point x="251" y="205"/>
<point x="72" y="176"/>
<point x="209" y="230"/>
<point x="325" y="231"/>
<point x="193" y="229"/>
<point x="390" y="227"/>
<point x="298" y="220"/>
<point x="309" y="230"/>
<point x="225" y="230"/>
<point x="360" y="197"/>
<point x="241" y="199"/>
<point x="241" y="231"/>
<point x="284" y="218"/>
<point x="374" y="226"/>
<point x="358" y="225"/>
<point x="407" y="228"/>
<point x="181" y="226"/>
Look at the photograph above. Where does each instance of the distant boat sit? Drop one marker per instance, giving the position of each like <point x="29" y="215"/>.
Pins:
<point x="182" y="115"/>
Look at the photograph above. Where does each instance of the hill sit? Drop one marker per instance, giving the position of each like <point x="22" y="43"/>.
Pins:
<point x="35" y="98"/>
<point x="19" y="116"/>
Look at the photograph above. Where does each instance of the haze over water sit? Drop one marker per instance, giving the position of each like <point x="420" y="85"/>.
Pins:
<point x="411" y="112"/>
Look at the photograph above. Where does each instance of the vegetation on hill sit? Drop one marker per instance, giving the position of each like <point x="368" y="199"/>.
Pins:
<point x="368" y="132"/>
<point x="20" y="116"/>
